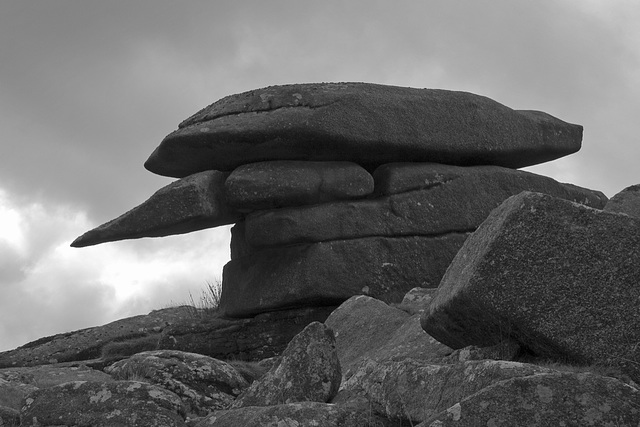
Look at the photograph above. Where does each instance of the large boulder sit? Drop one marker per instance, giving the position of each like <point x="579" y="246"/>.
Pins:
<point x="556" y="276"/>
<point x="328" y="273"/>
<point x="627" y="201"/>
<point x="546" y="399"/>
<point x="189" y="204"/>
<point x="309" y="371"/>
<point x="274" y="184"/>
<point x="99" y="404"/>
<point x="366" y="328"/>
<point x="203" y="384"/>
<point x="367" y="124"/>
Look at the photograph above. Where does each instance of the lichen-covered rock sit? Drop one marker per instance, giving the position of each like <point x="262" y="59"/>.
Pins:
<point x="189" y="204"/>
<point x="86" y="344"/>
<point x="16" y="383"/>
<point x="546" y="399"/>
<point x="267" y="185"/>
<point x="302" y="414"/>
<point x="98" y="404"/>
<point x="414" y="390"/>
<point x="366" y="328"/>
<point x="328" y="273"/>
<point x="308" y="371"/>
<point x="364" y="123"/>
<point x="558" y="277"/>
<point x="204" y="384"/>
<point x="627" y="201"/>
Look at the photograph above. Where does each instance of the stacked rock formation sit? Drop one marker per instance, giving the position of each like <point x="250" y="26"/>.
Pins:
<point x="343" y="189"/>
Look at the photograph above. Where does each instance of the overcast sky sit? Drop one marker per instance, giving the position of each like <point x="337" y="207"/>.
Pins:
<point x="89" y="88"/>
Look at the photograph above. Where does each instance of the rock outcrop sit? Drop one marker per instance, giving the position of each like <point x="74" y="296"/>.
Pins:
<point x="627" y="201"/>
<point x="463" y="287"/>
<point x="396" y="375"/>
<point x="203" y="384"/>
<point x="90" y="343"/>
<point x="546" y="399"/>
<point x="558" y="277"/>
<point x="312" y="176"/>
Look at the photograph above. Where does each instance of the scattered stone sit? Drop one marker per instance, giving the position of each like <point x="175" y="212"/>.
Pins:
<point x="429" y="200"/>
<point x="87" y="344"/>
<point x="366" y="328"/>
<point x="203" y="384"/>
<point x="189" y="204"/>
<point x="253" y="339"/>
<point x="364" y="123"/>
<point x="309" y="371"/>
<point x="301" y="414"/>
<point x="415" y="390"/>
<point x="268" y="185"/>
<point x="546" y="399"/>
<point x="558" y="277"/>
<point x="328" y="273"/>
<point x="98" y="404"/>
<point x="627" y="202"/>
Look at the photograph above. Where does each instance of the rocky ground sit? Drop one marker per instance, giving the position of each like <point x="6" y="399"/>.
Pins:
<point x="389" y="267"/>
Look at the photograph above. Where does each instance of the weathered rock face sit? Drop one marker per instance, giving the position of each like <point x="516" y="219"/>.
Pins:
<point x="301" y="414"/>
<point x="308" y="372"/>
<point x="99" y="404"/>
<point x="366" y="328"/>
<point x="327" y="273"/>
<point x="267" y="185"/>
<point x="546" y="399"/>
<point x="422" y="199"/>
<point x="404" y="237"/>
<point x="189" y="204"/>
<point x="414" y="390"/>
<point x="558" y="277"/>
<point x="364" y="123"/>
<point x="253" y="339"/>
<point x="87" y="344"/>
<point x="627" y="201"/>
<point x="204" y="384"/>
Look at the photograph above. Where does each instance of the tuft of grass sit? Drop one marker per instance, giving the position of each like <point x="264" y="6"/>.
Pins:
<point x="208" y="303"/>
<point x="134" y="372"/>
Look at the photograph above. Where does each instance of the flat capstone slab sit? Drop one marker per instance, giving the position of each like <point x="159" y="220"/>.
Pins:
<point x="364" y="123"/>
